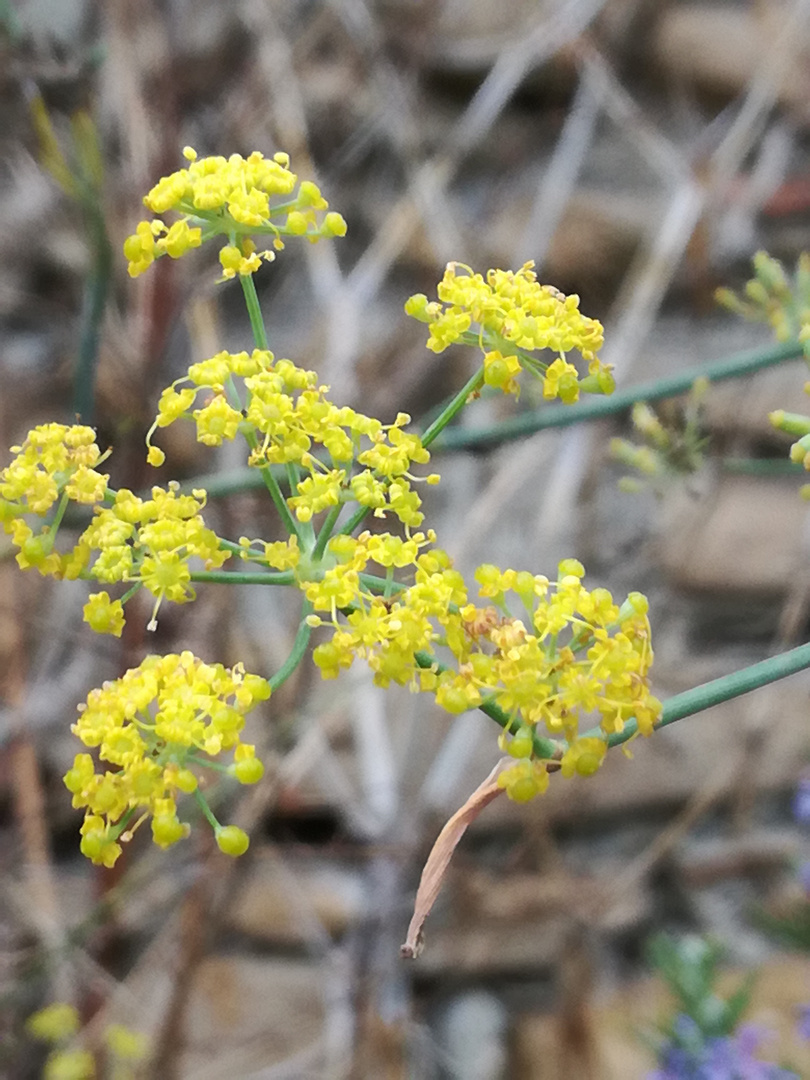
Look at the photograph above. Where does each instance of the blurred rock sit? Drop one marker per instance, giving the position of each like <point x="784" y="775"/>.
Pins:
<point x="245" y="1014"/>
<point x="720" y="48"/>
<point x="283" y="895"/>
<point x="472" y="1034"/>
<point x="740" y="406"/>
<point x="747" y="535"/>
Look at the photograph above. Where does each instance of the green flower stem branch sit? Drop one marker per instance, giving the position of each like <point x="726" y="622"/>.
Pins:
<point x="237" y="577"/>
<point x="260" y="337"/>
<point x="563" y="415"/>
<point x="770" y="467"/>
<point x="325" y="533"/>
<point x="723" y="689"/>
<point x="207" y="812"/>
<point x="298" y="649"/>
<point x="254" y="310"/>
<point x="454" y="407"/>
<point x="351" y="524"/>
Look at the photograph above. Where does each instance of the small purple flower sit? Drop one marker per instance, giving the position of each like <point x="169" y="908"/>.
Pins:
<point x="729" y="1058"/>
<point x="801" y="801"/>
<point x="804" y="1022"/>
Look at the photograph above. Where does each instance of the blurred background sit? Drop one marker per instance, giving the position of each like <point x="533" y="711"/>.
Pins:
<point x="640" y="151"/>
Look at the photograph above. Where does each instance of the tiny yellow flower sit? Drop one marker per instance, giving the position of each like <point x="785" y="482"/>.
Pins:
<point x="103" y="615"/>
<point x="153" y="726"/>
<point x="232" y="840"/>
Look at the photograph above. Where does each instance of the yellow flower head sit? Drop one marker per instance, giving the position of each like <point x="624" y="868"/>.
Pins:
<point x="235" y="198"/>
<point x="147" y="540"/>
<point x="287" y="418"/>
<point x="511" y="317"/>
<point x="151" y="725"/>
<point x="54" y="466"/>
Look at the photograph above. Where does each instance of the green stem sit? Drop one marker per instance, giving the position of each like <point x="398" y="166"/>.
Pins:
<point x="207" y="763"/>
<point x="254" y="310"/>
<point x="356" y="518"/>
<point x="306" y="529"/>
<point x="208" y="813"/>
<point x="270" y="482"/>
<point x="723" y="689"/>
<point x="454" y="407"/>
<point x="564" y="415"/>
<point x="260" y="337"/>
<point x="121" y="825"/>
<point x="297" y="652"/>
<point x="381" y="585"/>
<point x="762" y="467"/>
<point x="131" y="591"/>
<point x="251" y="554"/>
<point x="235" y="577"/>
<point x="64" y="502"/>
<point x="325" y="533"/>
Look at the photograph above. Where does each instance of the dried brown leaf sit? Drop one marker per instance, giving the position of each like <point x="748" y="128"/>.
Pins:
<point x="442" y="851"/>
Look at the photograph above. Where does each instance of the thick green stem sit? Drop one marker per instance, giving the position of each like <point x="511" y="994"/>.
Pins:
<point x="564" y="415"/>
<point x="297" y="652"/>
<point x="676" y="708"/>
<point x="381" y="585"/>
<point x="236" y="577"/>
<point x="762" y="467"/>
<point x="60" y="513"/>
<point x="454" y="407"/>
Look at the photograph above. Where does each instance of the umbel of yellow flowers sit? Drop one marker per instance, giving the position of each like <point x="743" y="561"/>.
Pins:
<point x="236" y="198"/>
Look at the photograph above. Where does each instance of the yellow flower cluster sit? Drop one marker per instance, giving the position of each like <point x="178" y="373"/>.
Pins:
<point x="289" y="420"/>
<point x="150" y="541"/>
<point x="511" y="316"/>
<point x="230" y="197"/>
<point x="385" y="631"/>
<point x="152" y="725"/>
<point x="147" y="542"/>
<point x="575" y="655"/>
<point x="55" y="465"/>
